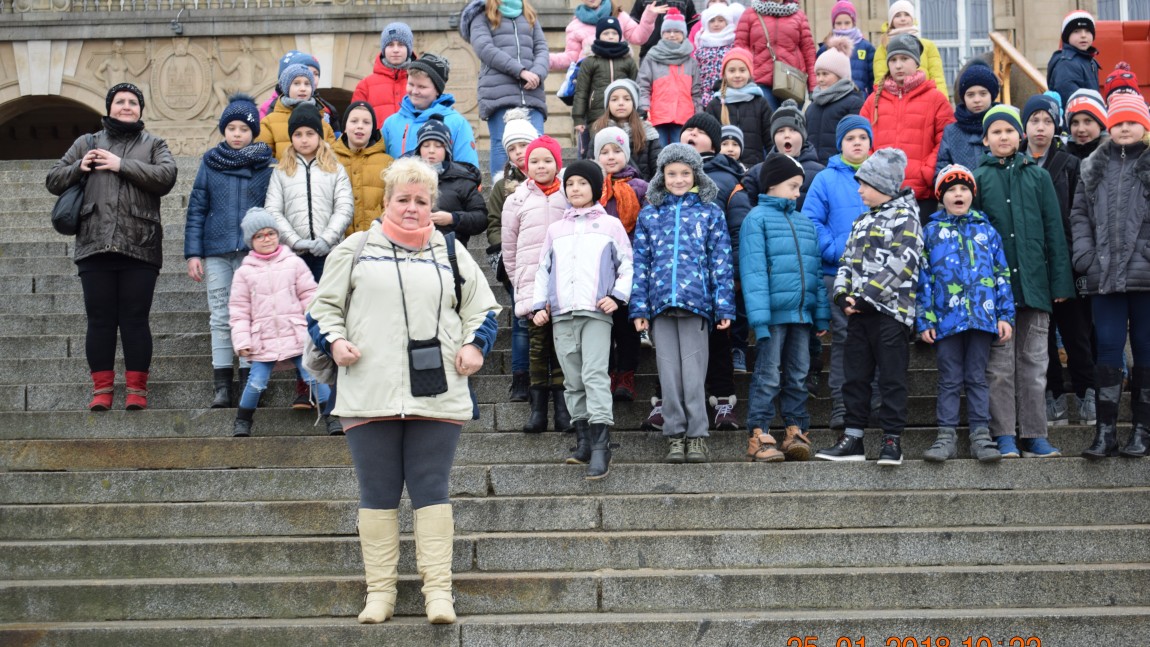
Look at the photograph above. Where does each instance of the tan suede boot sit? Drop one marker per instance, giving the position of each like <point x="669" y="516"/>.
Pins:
<point x="434" y="533"/>
<point x="761" y="448"/>
<point x="796" y="445"/>
<point x="379" y="541"/>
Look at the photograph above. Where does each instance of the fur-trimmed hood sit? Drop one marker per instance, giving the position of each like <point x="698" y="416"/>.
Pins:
<point x="681" y="153"/>
<point x="1093" y="168"/>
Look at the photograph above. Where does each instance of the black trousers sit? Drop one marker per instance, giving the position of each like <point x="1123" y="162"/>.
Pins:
<point x="720" y="368"/>
<point x="1073" y="319"/>
<point x="624" y="343"/>
<point x="876" y="341"/>
<point x="118" y="294"/>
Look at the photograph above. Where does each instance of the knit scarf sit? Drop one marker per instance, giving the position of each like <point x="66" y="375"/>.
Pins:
<point x="722" y="38"/>
<point x="605" y="49"/>
<point x="550" y="188"/>
<point x="666" y="52"/>
<point x="226" y="158"/>
<point x="912" y="30"/>
<point x="511" y="9"/>
<point x="743" y="94"/>
<point x="292" y="103"/>
<point x="776" y="9"/>
<point x="268" y="256"/>
<point x="853" y="33"/>
<point x="413" y="239"/>
<point x="589" y="16"/>
<point x="122" y="128"/>
<point x="912" y="82"/>
<point x="836" y="91"/>
<point x="626" y="200"/>
<point x="969" y="122"/>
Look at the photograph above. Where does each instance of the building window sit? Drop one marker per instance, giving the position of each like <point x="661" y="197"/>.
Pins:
<point x="1123" y="10"/>
<point x="960" y="30"/>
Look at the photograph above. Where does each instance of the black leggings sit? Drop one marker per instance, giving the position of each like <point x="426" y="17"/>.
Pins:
<point x="118" y="297"/>
<point x="389" y="453"/>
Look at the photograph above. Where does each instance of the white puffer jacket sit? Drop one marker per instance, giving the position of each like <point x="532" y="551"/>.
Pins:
<point x="310" y="204"/>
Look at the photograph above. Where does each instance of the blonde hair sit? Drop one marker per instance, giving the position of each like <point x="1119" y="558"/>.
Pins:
<point x="409" y="170"/>
<point x="494" y="17"/>
<point x="325" y="159"/>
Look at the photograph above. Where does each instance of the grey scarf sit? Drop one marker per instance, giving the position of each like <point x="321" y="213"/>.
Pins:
<point x="838" y="90"/>
<point x="667" y="53"/>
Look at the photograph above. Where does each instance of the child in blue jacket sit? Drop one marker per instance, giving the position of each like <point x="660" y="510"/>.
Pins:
<point x="1074" y="66"/>
<point x="233" y="178"/>
<point x="683" y="284"/>
<point x="964" y="302"/>
<point x="426" y="81"/>
<point x="779" y="267"/>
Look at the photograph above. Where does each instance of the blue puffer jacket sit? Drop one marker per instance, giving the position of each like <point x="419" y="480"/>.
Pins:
<point x="961" y="143"/>
<point x="833" y="204"/>
<point x="964" y="281"/>
<point x="862" y="65"/>
<point x="217" y="204"/>
<point x="1071" y="69"/>
<point x="682" y="257"/>
<point x="779" y="267"/>
<point x="505" y="51"/>
<point x="400" y="131"/>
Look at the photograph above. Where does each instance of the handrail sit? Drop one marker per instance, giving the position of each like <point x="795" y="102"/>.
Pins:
<point x="1007" y="56"/>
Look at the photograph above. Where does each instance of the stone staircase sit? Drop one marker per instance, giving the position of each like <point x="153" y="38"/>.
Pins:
<point x="156" y="528"/>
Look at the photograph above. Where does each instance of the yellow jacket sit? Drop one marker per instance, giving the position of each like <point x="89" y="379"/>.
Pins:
<point x="365" y="168"/>
<point x="274" y="129"/>
<point x="931" y="62"/>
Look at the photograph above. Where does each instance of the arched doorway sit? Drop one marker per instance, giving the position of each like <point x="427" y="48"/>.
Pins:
<point x="338" y="98"/>
<point x="43" y="127"/>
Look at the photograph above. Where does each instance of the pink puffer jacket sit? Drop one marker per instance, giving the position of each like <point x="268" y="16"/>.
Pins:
<point x="527" y="214"/>
<point x="267" y="306"/>
<point x="580" y="35"/>
<point x="791" y="41"/>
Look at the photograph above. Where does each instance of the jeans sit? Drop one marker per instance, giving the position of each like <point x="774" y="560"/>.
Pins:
<point x="1114" y="315"/>
<point x="669" y="134"/>
<point x="1072" y="320"/>
<point x="218" y="274"/>
<point x="520" y="341"/>
<point x="962" y="361"/>
<point x="1016" y="375"/>
<point x="876" y="341"/>
<point x="117" y="299"/>
<point x="495" y="128"/>
<point x="390" y="453"/>
<point x="262" y="372"/>
<point x="781" y="367"/>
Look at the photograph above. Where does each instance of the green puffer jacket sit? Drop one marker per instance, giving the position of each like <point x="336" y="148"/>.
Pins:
<point x="595" y="74"/>
<point x="1018" y="197"/>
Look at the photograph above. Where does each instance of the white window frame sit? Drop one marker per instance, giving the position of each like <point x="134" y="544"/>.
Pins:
<point x="966" y="45"/>
<point x="1123" y="10"/>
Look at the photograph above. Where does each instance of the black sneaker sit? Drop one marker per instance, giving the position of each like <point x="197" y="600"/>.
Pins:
<point x="848" y="448"/>
<point x="891" y="452"/>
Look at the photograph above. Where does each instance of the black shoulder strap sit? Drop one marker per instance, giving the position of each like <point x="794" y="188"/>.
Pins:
<point x="1058" y="163"/>
<point x="449" y="237"/>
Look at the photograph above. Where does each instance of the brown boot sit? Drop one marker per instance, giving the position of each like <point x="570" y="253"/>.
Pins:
<point x="761" y="448"/>
<point x="796" y="446"/>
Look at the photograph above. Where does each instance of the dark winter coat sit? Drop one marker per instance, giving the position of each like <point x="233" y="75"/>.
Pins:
<point x="459" y="195"/>
<point x="646" y="160"/>
<point x="685" y="7"/>
<point x="811" y="167"/>
<point x="595" y="74"/>
<point x="1018" y="197"/>
<point x="121" y="211"/>
<point x="1111" y="220"/>
<point x="753" y="118"/>
<point x="862" y="65"/>
<point x="732" y="198"/>
<point x="1063" y="169"/>
<point x="823" y="117"/>
<point x="504" y="52"/>
<point x="217" y="205"/>
<point x="960" y="146"/>
<point x="1071" y="69"/>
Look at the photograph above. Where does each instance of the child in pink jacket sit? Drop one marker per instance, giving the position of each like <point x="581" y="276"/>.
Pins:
<point x="270" y="295"/>
<point x="581" y="30"/>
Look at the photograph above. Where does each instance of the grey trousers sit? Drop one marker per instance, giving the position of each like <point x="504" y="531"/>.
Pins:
<point x="583" y="346"/>
<point x="1016" y="376"/>
<point x="838" y="338"/>
<point x="682" y="346"/>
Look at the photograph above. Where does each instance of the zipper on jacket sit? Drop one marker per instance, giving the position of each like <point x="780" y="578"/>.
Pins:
<point x="519" y="59"/>
<point x="675" y="254"/>
<point x="307" y="177"/>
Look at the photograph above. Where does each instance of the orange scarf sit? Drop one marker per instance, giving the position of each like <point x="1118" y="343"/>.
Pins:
<point x="626" y="201"/>
<point x="551" y="188"/>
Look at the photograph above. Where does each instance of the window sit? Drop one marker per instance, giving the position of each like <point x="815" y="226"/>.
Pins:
<point x="1124" y="9"/>
<point x="959" y="29"/>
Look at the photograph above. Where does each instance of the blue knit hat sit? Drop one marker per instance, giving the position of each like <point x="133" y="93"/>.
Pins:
<point x="849" y="123"/>
<point x="1042" y="103"/>
<point x="397" y="32"/>
<point x="241" y="107"/>
<point x="291" y="73"/>
<point x="978" y="74"/>
<point x="296" y="57"/>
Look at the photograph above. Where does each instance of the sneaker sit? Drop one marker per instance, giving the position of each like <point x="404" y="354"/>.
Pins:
<point x="645" y="339"/>
<point x="848" y="448"/>
<point x="676" y="450"/>
<point x="1006" y="446"/>
<point x="739" y="360"/>
<point x="891" y="452"/>
<point x="1038" y="448"/>
<point x="725" y="413"/>
<point x="654" y="421"/>
<point x="1056" y="415"/>
<point x="1088" y="409"/>
<point x="302" y="400"/>
<point x="697" y="451"/>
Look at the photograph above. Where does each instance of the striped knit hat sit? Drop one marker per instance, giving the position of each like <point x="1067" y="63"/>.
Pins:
<point x="951" y="175"/>
<point x="1128" y="107"/>
<point x="1002" y="112"/>
<point x="1089" y="102"/>
<point x="1076" y="20"/>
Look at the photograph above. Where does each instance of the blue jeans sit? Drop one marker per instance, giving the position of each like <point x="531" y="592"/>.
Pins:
<point x="1114" y="316"/>
<point x="218" y="274"/>
<point x="520" y="341"/>
<point x="669" y="134"/>
<point x="495" y="128"/>
<point x="262" y="372"/>
<point x="962" y="360"/>
<point x="780" y="369"/>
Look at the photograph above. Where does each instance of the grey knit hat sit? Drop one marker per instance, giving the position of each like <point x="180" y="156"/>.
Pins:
<point x="789" y="114"/>
<point x="291" y="72"/>
<point x="256" y="219"/>
<point x="731" y="131"/>
<point x="884" y="170"/>
<point x="626" y="84"/>
<point x="616" y="136"/>
<point x="397" y="32"/>
<point x="906" y="44"/>
<point x="682" y="154"/>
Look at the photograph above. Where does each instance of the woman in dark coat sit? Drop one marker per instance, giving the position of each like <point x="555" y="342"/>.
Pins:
<point x="118" y="249"/>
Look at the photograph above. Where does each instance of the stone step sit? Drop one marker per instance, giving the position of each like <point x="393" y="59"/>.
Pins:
<point x="34" y="250"/>
<point x="338" y="483"/>
<point x="623" y="592"/>
<point x="1065" y="627"/>
<point x="42" y="201"/>
<point x="886" y="509"/>
<point x="28" y="187"/>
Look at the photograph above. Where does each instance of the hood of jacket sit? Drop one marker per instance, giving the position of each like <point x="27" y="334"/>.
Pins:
<point x="806" y="154"/>
<point x="281" y="255"/>
<point x="657" y="189"/>
<point x="461" y="171"/>
<point x="1093" y="168"/>
<point x="440" y="106"/>
<point x="470" y="11"/>
<point x="972" y="216"/>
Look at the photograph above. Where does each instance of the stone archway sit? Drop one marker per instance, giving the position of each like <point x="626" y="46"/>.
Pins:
<point x="43" y="127"/>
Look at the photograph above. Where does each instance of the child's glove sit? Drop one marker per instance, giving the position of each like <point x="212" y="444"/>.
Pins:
<point x="303" y="245"/>
<point x="320" y="247"/>
<point x="494" y="255"/>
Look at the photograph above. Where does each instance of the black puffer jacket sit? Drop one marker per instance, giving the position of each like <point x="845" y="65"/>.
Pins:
<point x="825" y="111"/>
<point x="459" y="195"/>
<point x="1111" y="220"/>
<point x="121" y="212"/>
<point x="732" y="199"/>
<point x="753" y="118"/>
<point x="1063" y="170"/>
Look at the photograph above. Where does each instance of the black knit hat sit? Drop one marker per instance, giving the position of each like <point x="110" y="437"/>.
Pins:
<point x="778" y="168"/>
<point x="436" y="67"/>
<point x="589" y="171"/>
<point x="708" y="124"/>
<point x="123" y="87"/>
<point x="434" y="130"/>
<point x="305" y="114"/>
<point x="605" y="23"/>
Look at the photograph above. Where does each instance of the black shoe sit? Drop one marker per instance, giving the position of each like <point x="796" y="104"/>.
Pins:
<point x="222" y="384"/>
<point x="334" y="426"/>
<point x="518" y="389"/>
<point x="848" y="448"/>
<point x="1105" y="443"/>
<point x="537" y="420"/>
<point x="243" y="424"/>
<point x="581" y="452"/>
<point x="891" y="452"/>
<point x="302" y="400"/>
<point x="812" y="384"/>
<point x="1139" y="445"/>
<point x="600" y="465"/>
<point x="562" y="416"/>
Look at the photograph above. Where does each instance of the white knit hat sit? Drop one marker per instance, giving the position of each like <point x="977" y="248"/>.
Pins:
<point x="518" y="127"/>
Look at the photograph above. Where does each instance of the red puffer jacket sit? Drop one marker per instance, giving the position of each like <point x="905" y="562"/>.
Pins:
<point x="911" y="120"/>
<point x="790" y="38"/>
<point x="384" y="89"/>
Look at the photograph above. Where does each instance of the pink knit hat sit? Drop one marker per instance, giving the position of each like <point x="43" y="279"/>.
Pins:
<point x="835" y="60"/>
<point x="1125" y="107"/>
<point x="739" y="54"/>
<point x="548" y="144"/>
<point x="845" y="6"/>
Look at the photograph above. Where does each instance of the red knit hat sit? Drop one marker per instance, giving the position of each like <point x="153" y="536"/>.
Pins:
<point x="1127" y="107"/>
<point x="549" y="144"/>
<point x="739" y="54"/>
<point x="1122" y="79"/>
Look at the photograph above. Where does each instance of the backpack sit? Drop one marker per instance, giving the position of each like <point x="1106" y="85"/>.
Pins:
<point x="566" y="92"/>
